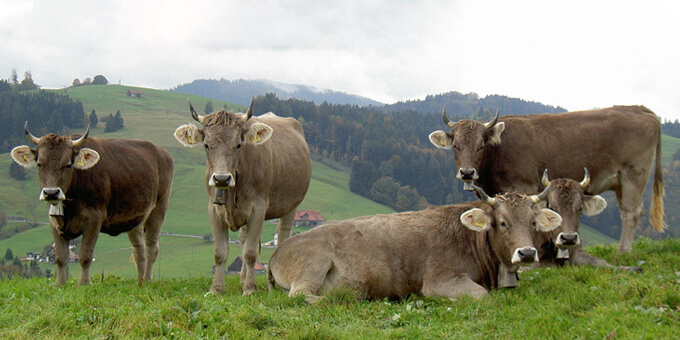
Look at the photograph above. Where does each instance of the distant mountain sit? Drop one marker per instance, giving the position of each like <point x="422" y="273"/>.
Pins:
<point x="241" y="91"/>
<point x="470" y="104"/>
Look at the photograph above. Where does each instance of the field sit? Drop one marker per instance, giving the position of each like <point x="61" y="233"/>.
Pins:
<point x="556" y="303"/>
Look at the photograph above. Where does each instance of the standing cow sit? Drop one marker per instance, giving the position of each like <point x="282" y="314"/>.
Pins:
<point x="618" y="145"/>
<point x="441" y="251"/>
<point x="563" y="245"/>
<point x="258" y="168"/>
<point x="98" y="185"/>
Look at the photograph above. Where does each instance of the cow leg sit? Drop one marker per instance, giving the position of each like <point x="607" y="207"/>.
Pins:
<point x="152" y="234"/>
<point x="251" y="247"/>
<point x="86" y="253"/>
<point x="242" y="237"/>
<point x="285" y="226"/>
<point x="136" y="237"/>
<point x="630" y="204"/>
<point x="61" y="258"/>
<point x="221" y="236"/>
<point x="454" y="287"/>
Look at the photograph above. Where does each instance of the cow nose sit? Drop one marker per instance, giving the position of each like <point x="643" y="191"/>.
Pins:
<point x="526" y="254"/>
<point x="222" y="180"/>
<point x="52" y="194"/>
<point x="467" y="173"/>
<point x="568" y="239"/>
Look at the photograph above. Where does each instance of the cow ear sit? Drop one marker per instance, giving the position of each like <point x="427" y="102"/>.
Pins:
<point x="85" y="159"/>
<point x="441" y="139"/>
<point x="189" y="135"/>
<point x="476" y="220"/>
<point x="495" y="133"/>
<point x="593" y="205"/>
<point x="547" y="220"/>
<point x="24" y="156"/>
<point x="258" y="133"/>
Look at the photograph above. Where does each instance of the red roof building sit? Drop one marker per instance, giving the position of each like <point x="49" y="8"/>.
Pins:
<point x="308" y="218"/>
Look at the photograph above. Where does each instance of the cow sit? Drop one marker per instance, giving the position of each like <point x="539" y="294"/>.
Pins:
<point x="619" y="145"/>
<point x="95" y="185"/>
<point x="258" y="168"/>
<point x="563" y="245"/>
<point x="444" y="251"/>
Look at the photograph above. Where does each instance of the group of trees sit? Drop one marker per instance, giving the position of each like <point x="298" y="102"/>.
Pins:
<point x="98" y="80"/>
<point x="11" y="266"/>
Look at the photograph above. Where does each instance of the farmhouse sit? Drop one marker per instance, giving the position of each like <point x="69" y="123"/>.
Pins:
<point x="135" y="94"/>
<point x="308" y="218"/>
<point x="235" y="267"/>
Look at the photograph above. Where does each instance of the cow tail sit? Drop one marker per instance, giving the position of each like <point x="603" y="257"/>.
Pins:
<point x="657" y="215"/>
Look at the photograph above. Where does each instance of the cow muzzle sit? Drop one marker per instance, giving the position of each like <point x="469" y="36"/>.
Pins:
<point x="222" y="181"/>
<point x="55" y="197"/>
<point x="567" y="240"/>
<point x="524" y="255"/>
<point x="467" y="175"/>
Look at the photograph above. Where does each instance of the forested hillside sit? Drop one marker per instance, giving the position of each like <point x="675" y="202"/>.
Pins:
<point x="470" y="105"/>
<point x="240" y="91"/>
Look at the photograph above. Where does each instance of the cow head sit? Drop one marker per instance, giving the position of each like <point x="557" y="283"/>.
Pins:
<point x="468" y="139"/>
<point x="57" y="158"/>
<point x="510" y="224"/>
<point x="223" y="135"/>
<point x="568" y="198"/>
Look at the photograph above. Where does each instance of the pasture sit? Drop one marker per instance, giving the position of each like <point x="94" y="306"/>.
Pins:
<point x="557" y="303"/>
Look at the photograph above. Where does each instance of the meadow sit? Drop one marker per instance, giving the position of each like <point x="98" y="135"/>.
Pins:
<point x="550" y="303"/>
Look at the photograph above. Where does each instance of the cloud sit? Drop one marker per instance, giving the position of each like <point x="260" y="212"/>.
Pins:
<point x="578" y="54"/>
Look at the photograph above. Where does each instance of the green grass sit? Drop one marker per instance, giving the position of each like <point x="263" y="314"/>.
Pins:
<point x="556" y="303"/>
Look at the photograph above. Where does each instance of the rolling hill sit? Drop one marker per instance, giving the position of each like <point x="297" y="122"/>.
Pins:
<point x="155" y="118"/>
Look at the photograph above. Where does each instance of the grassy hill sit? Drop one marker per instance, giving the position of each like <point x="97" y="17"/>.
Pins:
<point x="154" y="118"/>
<point x="549" y="303"/>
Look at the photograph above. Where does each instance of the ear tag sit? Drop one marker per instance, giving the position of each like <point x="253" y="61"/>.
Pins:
<point x="479" y="224"/>
<point x="191" y="139"/>
<point x="80" y="161"/>
<point x="26" y="157"/>
<point x="258" y="138"/>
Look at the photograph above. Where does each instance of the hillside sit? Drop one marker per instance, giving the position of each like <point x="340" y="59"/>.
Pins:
<point x="240" y="91"/>
<point x="155" y="118"/>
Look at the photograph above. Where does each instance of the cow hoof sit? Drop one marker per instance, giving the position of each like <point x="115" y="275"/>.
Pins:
<point x="631" y="269"/>
<point x="247" y="292"/>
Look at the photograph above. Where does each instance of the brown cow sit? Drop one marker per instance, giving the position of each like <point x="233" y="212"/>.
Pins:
<point x="618" y="145"/>
<point x="258" y="168"/>
<point x="563" y="245"/>
<point x="98" y="185"/>
<point x="441" y="251"/>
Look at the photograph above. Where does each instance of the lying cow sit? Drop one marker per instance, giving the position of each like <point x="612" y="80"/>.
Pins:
<point x="258" y="168"/>
<point x="441" y="251"/>
<point x="620" y="145"/>
<point x="101" y="185"/>
<point x="563" y="245"/>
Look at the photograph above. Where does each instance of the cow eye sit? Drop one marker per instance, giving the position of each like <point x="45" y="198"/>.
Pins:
<point x="503" y="225"/>
<point x="206" y="147"/>
<point x="481" y="148"/>
<point x="238" y="146"/>
<point x="455" y="147"/>
<point x="533" y="224"/>
<point x="65" y="167"/>
<point x="39" y="165"/>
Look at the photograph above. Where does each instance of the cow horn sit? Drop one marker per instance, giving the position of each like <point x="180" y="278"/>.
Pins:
<point x="79" y="142"/>
<point x="249" y="113"/>
<point x="483" y="196"/>
<point x="448" y="122"/>
<point x="545" y="179"/>
<point x="195" y="115"/>
<point x="586" y="179"/>
<point x="493" y="122"/>
<point x="31" y="138"/>
<point x="542" y="196"/>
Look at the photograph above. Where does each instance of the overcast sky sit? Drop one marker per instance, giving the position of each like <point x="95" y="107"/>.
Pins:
<point x="574" y="54"/>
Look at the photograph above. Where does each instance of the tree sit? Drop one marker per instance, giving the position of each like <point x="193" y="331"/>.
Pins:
<point x="3" y="219"/>
<point x="8" y="254"/>
<point x="5" y="86"/>
<point x="14" y="78"/>
<point x="76" y="82"/>
<point x="28" y="83"/>
<point x="114" y="123"/>
<point x="208" y="108"/>
<point x="93" y="119"/>
<point x="17" y="171"/>
<point x="100" y="80"/>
